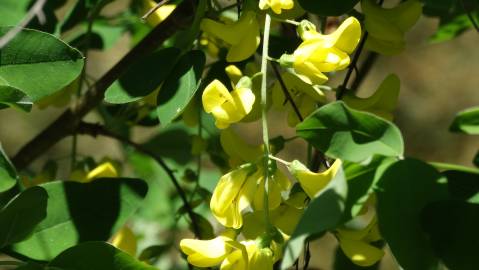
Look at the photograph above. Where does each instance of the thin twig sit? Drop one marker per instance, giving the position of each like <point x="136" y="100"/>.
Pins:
<point x="286" y="91"/>
<point x="96" y="129"/>
<point x="364" y="70"/>
<point x="68" y="121"/>
<point x="35" y="11"/>
<point x="156" y="7"/>
<point x="469" y="15"/>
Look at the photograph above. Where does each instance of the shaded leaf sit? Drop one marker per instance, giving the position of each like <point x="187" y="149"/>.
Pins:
<point x="80" y="212"/>
<point x="96" y="256"/>
<point x="11" y="97"/>
<point x="452" y="227"/>
<point x="20" y="216"/>
<point x="328" y="7"/>
<point x="38" y="64"/>
<point x="403" y="191"/>
<point x="144" y="76"/>
<point x="463" y="185"/>
<point x="180" y="87"/>
<point x="348" y="134"/>
<point x="323" y="213"/>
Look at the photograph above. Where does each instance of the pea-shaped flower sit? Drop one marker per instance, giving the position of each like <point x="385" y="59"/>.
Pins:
<point x="311" y="182"/>
<point x="243" y="35"/>
<point x="228" y="108"/>
<point x="387" y="27"/>
<point x="237" y="149"/>
<point x="323" y="53"/>
<point x="276" y="5"/>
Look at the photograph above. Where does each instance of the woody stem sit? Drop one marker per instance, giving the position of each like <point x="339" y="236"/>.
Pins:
<point x="264" y="120"/>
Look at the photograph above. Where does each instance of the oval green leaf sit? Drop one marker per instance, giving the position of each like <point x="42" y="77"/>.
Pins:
<point x="97" y="256"/>
<point x="404" y="189"/>
<point x="328" y="7"/>
<point x="82" y="212"/>
<point x="22" y="214"/>
<point x="143" y="77"/>
<point x="180" y="87"/>
<point x="37" y="63"/>
<point x="348" y="134"/>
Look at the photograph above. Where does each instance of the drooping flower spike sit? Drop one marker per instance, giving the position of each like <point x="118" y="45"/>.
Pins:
<point x="242" y="36"/>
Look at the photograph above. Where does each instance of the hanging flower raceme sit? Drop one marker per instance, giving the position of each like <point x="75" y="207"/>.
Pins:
<point x="382" y="102"/>
<point x="228" y="107"/>
<point x="276" y="5"/>
<point x="311" y="182"/>
<point x="305" y="97"/>
<point x="243" y="36"/>
<point x="355" y="243"/>
<point x="387" y="27"/>
<point x="320" y="53"/>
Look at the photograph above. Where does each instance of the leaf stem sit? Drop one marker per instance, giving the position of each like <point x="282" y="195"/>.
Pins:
<point x="264" y="120"/>
<point x="286" y="163"/>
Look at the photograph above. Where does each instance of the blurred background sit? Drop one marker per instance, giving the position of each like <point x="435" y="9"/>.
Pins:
<point x="437" y="81"/>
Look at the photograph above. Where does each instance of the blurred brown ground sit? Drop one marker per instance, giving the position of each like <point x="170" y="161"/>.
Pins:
<point x="437" y="80"/>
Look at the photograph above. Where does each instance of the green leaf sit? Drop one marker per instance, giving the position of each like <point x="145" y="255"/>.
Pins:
<point x="180" y="87"/>
<point x="403" y="191"/>
<point x="463" y="185"/>
<point x="466" y="121"/>
<point x="143" y="77"/>
<point x="452" y="227"/>
<point x="173" y="142"/>
<point x="12" y="11"/>
<point x="96" y="256"/>
<point x="8" y="174"/>
<point x="348" y="134"/>
<point x="362" y="179"/>
<point x="12" y="97"/>
<point x="328" y="7"/>
<point x="323" y="213"/>
<point x="20" y="216"/>
<point x="152" y="253"/>
<point x="38" y="63"/>
<point x="80" y="212"/>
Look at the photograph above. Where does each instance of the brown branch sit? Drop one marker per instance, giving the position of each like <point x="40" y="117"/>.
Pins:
<point x="68" y="121"/>
<point x="97" y="129"/>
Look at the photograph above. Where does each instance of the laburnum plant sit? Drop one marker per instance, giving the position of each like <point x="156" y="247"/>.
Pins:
<point x="198" y="193"/>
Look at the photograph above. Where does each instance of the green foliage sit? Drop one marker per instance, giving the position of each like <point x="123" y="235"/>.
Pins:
<point x="323" y="213"/>
<point x="348" y="134"/>
<point x="404" y="189"/>
<point x="12" y="11"/>
<point x="180" y="87"/>
<point x="328" y="7"/>
<point x="144" y="77"/>
<point x="79" y="212"/>
<point x="8" y="174"/>
<point x="38" y="71"/>
<point x="21" y="215"/>
<point x="11" y="97"/>
<point x="466" y="121"/>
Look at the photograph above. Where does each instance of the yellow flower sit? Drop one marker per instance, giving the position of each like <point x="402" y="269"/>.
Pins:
<point x="355" y="243"/>
<point x="387" y="27"/>
<point x="323" y="53"/>
<point x="382" y="102"/>
<point x="276" y="5"/>
<point x="226" y="107"/>
<point x="304" y="95"/>
<point x="106" y="169"/>
<point x="125" y="240"/>
<point x="237" y="149"/>
<point x="220" y="250"/>
<point x="159" y="15"/>
<point x="243" y="36"/>
<point x="261" y="258"/>
<point x="191" y="113"/>
<point x="230" y="197"/>
<point x="312" y="182"/>
<point x="277" y="183"/>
